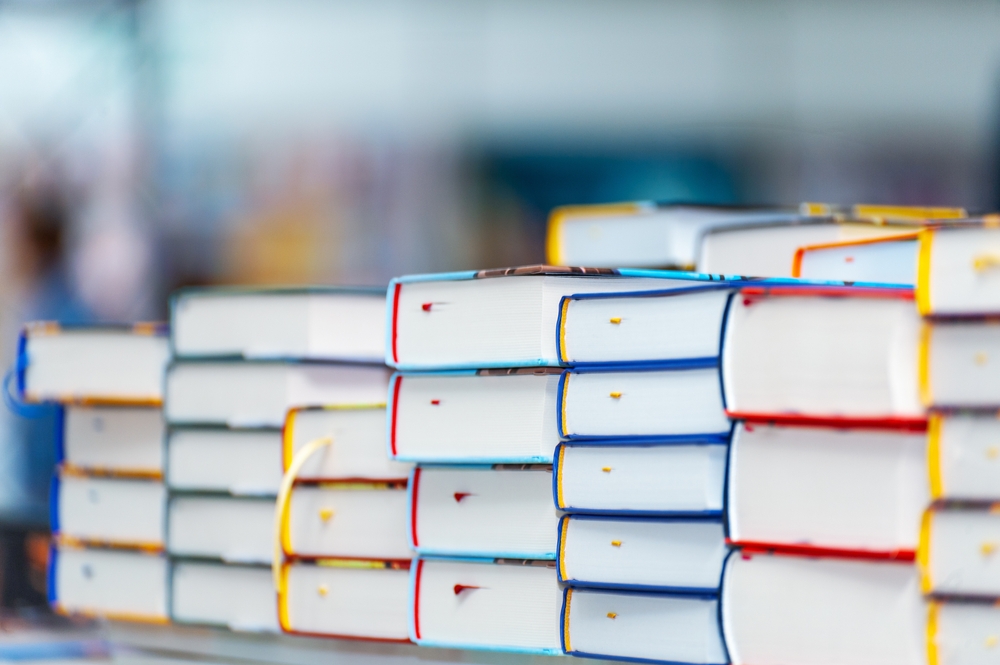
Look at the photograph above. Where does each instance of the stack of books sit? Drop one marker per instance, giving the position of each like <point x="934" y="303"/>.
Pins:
<point x="241" y="360"/>
<point x="107" y="499"/>
<point x="640" y="473"/>
<point x="475" y="405"/>
<point x="760" y="241"/>
<point x="826" y="479"/>
<point x="958" y="292"/>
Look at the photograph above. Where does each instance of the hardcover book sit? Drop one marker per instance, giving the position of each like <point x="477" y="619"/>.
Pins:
<point x="119" y="512"/>
<point x="238" y="597"/>
<point x="851" y="492"/>
<point x="367" y="600"/>
<point x="957" y="555"/>
<point x="347" y="521"/>
<point x="958" y="363"/>
<point x="958" y="270"/>
<point x="486" y="604"/>
<point x="92" y="364"/>
<point x="961" y="633"/>
<point x="676" y="478"/>
<point x="233" y="529"/>
<point x="683" y="555"/>
<point x="642" y="627"/>
<point x="963" y="455"/>
<point x="642" y="405"/>
<point x="358" y="451"/>
<point x="490" y="416"/>
<point x="111" y="440"/>
<point x="816" y="611"/>
<point x="316" y="323"/>
<point x="108" y="583"/>
<point x="258" y="394"/>
<point x="503" y="511"/>
<point x="890" y="260"/>
<point x="674" y="327"/>
<point x="841" y="355"/>
<point x="218" y="459"/>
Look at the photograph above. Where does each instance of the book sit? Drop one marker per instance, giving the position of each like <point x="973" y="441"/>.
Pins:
<point x="111" y="440"/>
<point x="218" y="459"/>
<point x="108" y="583"/>
<point x="667" y="479"/>
<point x="644" y="234"/>
<point x="957" y="363"/>
<point x="497" y="318"/>
<point x="822" y="611"/>
<point x="957" y="271"/>
<point x="258" y="394"/>
<point x="849" y="492"/>
<point x="485" y="604"/>
<point x="641" y="553"/>
<point x="961" y="633"/>
<point x="316" y="323"/>
<point x="483" y="512"/>
<point x="238" y="597"/>
<point x="769" y="250"/>
<point x="348" y="599"/>
<point x="350" y="521"/>
<point x="648" y="404"/>
<point x="120" y="512"/>
<point x="358" y="451"/>
<point x="92" y="364"/>
<point x="958" y="551"/>
<point x="642" y="627"/>
<point x="963" y="455"/>
<point x="891" y="259"/>
<point x="492" y="416"/>
<point x="823" y="354"/>
<point x="678" y="327"/>
<point x="233" y="529"/>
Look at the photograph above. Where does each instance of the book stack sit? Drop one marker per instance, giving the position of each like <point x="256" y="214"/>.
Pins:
<point x="640" y="473"/>
<point x="740" y="240"/>
<point x="826" y="479"/>
<point x="475" y="404"/>
<point x="241" y="360"/>
<point x="108" y="500"/>
<point x="958" y="292"/>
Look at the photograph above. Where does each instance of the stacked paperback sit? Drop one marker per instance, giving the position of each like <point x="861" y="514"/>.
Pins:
<point x="108" y="499"/>
<point x="241" y="360"/>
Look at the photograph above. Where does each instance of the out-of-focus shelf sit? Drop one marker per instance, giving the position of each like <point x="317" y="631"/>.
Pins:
<point x="136" y="644"/>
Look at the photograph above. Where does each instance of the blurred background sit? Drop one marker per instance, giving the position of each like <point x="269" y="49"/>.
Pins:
<point x="149" y="144"/>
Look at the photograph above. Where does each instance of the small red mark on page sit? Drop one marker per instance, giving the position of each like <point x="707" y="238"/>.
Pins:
<point x="459" y="588"/>
<point x="435" y="402"/>
<point x="426" y="306"/>
<point x="849" y="259"/>
<point x="461" y="495"/>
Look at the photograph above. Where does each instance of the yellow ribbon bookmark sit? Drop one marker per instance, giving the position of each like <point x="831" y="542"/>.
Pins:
<point x="284" y="493"/>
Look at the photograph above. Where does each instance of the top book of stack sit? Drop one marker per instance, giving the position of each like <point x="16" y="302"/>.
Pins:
<point x="958" y="270"/>
<point x="323" y="324"/>
<point x="112" y="365"/>
<point x="500" y="318"/>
